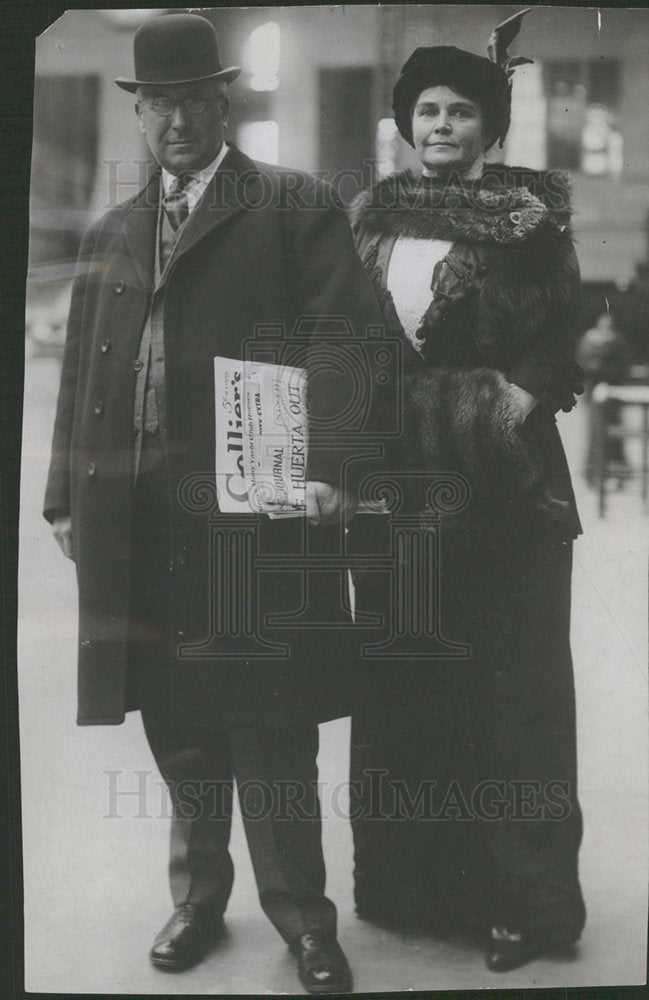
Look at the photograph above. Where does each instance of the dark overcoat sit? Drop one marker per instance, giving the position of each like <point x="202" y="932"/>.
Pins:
<point x="266" y="252"/>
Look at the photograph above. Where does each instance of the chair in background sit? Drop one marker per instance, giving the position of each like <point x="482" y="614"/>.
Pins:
<point x="633" y="395"/>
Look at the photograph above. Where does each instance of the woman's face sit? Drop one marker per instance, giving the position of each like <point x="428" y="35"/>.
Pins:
<point x="447" y="130"/>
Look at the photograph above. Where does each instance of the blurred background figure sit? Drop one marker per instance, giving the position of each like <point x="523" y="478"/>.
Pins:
<point x="630" y="307"/>
<point x="604" y="356"/>
<point x="46" y="319"/>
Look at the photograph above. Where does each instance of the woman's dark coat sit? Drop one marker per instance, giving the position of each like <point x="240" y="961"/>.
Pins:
<point x="503" y="717"/>
<point x="267" y="251"/>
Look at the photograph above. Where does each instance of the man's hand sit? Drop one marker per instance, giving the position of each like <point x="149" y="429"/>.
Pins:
<point x="327" y="504"/>
<point x="522" y="402"/>
<point x="62" y="528"/>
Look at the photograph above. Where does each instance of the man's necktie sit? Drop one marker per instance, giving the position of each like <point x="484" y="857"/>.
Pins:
<point x="176" y="202"/>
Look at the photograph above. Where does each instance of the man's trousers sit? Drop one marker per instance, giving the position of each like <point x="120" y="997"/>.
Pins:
<point x="275" y="769"/>
<point x="276" y="775"/>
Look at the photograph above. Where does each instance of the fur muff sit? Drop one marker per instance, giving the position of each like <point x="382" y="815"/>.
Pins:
<point x="463" y="422"/>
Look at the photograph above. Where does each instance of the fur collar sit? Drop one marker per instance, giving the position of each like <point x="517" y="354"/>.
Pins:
<point x="507" y="205"/>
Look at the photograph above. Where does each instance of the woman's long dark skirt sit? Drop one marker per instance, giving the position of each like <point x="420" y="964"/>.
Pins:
<point x="464" y="779"/>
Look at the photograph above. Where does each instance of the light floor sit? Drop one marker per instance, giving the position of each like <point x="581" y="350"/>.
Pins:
<point x="95" y="886"/>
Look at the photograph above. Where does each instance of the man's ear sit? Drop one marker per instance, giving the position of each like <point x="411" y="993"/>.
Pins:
<point x="140" y="119"/>
<point x="225" y="107"/>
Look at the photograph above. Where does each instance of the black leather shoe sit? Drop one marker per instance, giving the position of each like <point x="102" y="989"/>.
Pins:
<point x="509" y="950"/>
<point x="185" y="938"/>
<point x="321" y="963"/>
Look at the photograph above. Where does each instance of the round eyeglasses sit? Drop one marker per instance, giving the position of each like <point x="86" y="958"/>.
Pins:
<point x="164" y="106"/>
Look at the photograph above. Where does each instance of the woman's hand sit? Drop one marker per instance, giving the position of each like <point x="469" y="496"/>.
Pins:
<point x="522" y="402"/>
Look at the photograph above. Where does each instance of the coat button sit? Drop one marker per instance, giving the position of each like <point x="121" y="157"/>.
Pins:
<point x="105" y="345"/>
<point x="99" y="408"/>
<point x="119" y="287"/>
<point x="92" y="468"/>
<point x="137" y="365"/>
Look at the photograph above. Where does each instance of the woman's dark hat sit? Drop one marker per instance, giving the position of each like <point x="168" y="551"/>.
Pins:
<point x="474" y="76"/>
<point x="488" y="82"/>
<point x="176" y="48"/>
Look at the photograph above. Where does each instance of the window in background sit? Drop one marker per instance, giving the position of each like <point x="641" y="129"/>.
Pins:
<point x="346" y="138"/>
<point x="526" y="143"/>
<point x="129" y="20"/>
<point x="64" y="163"/>
<point x="261" y="57"/>
<point x="582" y="100"/>
<point x="259" y="140"/>
<point x="386" y="147"/>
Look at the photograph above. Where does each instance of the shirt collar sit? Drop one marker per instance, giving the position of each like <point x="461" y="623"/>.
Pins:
<point x="203" y="176"/>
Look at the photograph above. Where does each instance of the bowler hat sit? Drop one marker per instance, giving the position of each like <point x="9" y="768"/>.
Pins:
<point x="176" y="48"/>
<point x="478" y="78"/>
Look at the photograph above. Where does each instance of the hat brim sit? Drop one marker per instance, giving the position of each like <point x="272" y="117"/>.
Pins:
<point x="226" y="75"/>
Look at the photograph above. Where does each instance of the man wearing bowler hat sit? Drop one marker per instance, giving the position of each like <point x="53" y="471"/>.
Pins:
<point x="213" y="247"/>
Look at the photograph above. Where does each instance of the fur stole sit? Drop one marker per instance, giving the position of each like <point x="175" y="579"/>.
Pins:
<point x="506" y="206"/>
<point x="515" y="223"/>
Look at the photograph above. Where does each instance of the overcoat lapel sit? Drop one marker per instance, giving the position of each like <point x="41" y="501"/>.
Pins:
<point x="140" y="230"/>
<point x="235" y="186"/>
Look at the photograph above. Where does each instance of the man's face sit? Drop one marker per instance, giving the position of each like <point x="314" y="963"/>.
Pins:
<point x="185" y="139"/>
<point x="447" y="130"/>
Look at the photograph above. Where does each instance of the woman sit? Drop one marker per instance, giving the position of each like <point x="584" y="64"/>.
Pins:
<point x="464" y="798"/>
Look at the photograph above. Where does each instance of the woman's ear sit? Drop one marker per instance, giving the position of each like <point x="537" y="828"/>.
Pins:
<point x="488" y="143"/>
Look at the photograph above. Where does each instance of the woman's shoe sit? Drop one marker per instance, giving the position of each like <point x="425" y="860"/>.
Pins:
<point x="510" y="949"/>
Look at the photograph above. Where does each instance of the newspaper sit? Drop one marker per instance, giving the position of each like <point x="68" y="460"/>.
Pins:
<point x="261" y="438"/>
